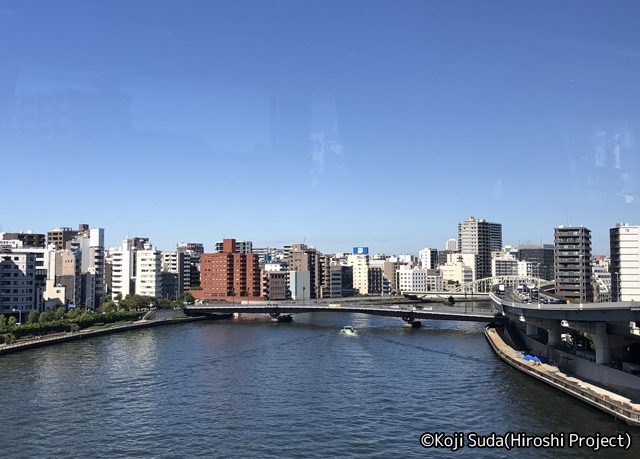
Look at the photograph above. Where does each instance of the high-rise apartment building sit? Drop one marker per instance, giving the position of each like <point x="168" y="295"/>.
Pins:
<point x="88" y="244"/>
<point x="303" y="258"/>
<point x="229" y="275"/>
<point x="360" y="272"/>
<point x="572" y="261"/>
<point x="123" y="266"/>
<point x="176" y="269"/>
<point x="451" y="245"/>
<point x="329" y="277"/>
<point x="149" y="271"/>
<point x="624" y="242"/>
<point x="481" y="238"/>
<point x="194" y="250"/>
<point x="17" y="283"/>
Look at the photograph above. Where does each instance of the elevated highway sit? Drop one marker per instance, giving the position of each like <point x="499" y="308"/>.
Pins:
<point x="612" y="329"/>
<point x="627" y="311"/>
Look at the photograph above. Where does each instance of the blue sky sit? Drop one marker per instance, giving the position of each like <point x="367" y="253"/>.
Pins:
<point x="348" y="123"/>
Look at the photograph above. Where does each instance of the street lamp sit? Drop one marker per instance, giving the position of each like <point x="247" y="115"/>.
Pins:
<point x="20" y="315"/>
<point x="303" y="289"/>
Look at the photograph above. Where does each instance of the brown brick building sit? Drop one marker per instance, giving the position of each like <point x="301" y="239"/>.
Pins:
<point x="228" y="275"/>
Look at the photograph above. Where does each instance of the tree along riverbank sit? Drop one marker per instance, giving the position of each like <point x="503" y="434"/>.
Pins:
<point x="114" y="327"/>
<point x="11" y="333"/>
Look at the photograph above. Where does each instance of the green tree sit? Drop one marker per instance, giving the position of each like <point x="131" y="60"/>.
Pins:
<point x="188" y="298"/>
<point x="3" y="320"/>
<point x="59" y="315"/>
<point x="12" y="321"/>
<point x="109" y="307"/>
<point x="164" y="303"/>
<point x="33" y="317"/>
<point x="46" y="316"/>
<point x="119" y="297"/>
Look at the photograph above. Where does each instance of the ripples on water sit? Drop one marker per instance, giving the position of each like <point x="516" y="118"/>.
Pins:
<point x="253" y="388"/>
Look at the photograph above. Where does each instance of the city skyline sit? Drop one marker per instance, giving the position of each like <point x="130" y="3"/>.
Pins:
<point x="210" y="247"/>
<point x="348" y="124"/>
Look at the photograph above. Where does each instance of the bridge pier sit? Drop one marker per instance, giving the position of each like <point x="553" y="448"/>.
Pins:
<point x="602" y="341"/>
<point x="531" y="329"/>
<point x="413" y="324"/>
<point x="553" y="332"/>
<point x="282" y="319"/>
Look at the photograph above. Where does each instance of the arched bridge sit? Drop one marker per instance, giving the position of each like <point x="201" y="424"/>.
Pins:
<point x="480" y="287"/>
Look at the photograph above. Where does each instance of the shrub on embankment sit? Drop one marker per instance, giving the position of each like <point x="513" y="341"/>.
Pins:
<point x="56" y="326"/>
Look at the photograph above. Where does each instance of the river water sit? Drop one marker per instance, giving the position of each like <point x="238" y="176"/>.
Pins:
<point x="253" y="388"/>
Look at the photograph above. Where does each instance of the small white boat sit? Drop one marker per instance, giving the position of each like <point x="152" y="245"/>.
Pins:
<point x="348" y="329"/>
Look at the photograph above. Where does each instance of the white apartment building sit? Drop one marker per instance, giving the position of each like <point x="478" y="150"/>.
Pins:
<point x="451" y="245"/>
<point x="624" y="242"/>
<point x="43" y="257"/>
<point x="428" y="258"/>
<point x="275" y="266"/>
<point x="123" y="268"/>
<point x="89" y="243"/>
<point x="481" y="238"/>
<point x="148" y="271"/>
<point x="467" y="259"/>
<point x="505" y="265"/>
<point x="360" y="264"/>
<point x="177" y="263"/>
<point x="409" y="259"/>
<point x="528" y="269"/>
<point x="17" y="283"/>
<point x="417" y="280"/>
<point x="456" y="273"/>
<point x="602" y="277"/>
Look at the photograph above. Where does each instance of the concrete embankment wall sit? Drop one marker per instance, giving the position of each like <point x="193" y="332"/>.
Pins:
<point x="606" y="400"/>
<point x="83" y="334"/>
<point x="616" y="380"/>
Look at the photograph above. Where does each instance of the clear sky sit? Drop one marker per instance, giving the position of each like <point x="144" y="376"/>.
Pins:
<point x="348" y="123"/>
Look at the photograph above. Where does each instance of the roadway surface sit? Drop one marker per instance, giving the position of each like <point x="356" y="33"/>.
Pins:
<point x="624" y="311"/>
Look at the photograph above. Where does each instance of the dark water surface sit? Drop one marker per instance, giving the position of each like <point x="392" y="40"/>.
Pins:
<point x="252" y="388"/>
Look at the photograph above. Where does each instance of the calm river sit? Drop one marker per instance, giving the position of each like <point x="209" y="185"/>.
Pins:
<point x="252" y="388"/>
